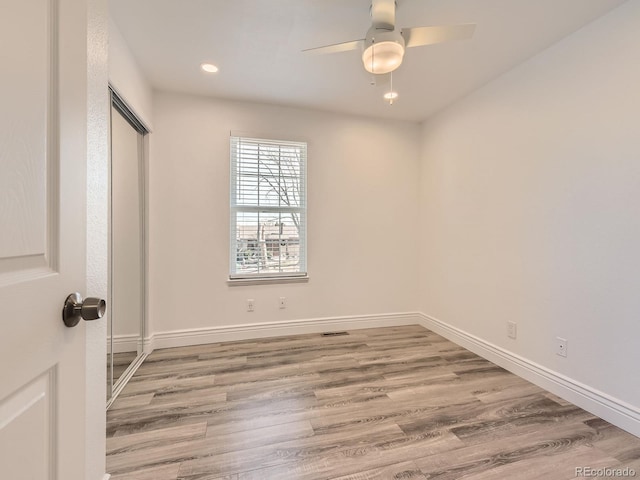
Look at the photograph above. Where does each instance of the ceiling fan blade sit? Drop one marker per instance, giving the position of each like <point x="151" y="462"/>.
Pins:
<point x="383" y="14"/>
<point x="418" y="36"/>
<point x="335" y="48"/>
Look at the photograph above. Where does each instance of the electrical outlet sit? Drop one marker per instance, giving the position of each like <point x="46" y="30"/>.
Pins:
<point x="561" y="346"/>
<point x="512" y="330"/>
<point x="283" y="302"/>
<point x="250" y="305"/>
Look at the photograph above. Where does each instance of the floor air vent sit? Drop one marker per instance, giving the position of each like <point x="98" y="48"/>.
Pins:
<point x="334" y="334"/>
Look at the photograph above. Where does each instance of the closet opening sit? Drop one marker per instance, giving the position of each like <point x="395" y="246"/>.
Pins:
<point x="126" y="327"/>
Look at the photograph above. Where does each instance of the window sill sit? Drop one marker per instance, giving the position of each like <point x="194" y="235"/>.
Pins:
<point x="241" y="282"/>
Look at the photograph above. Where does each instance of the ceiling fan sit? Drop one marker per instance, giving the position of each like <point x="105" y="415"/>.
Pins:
<point x="383" y="46"/>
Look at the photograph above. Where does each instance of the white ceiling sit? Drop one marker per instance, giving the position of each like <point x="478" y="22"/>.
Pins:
<point x="257" y="45"/>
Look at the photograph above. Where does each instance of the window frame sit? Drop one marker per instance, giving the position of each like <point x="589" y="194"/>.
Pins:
<point x="235" y="278"/>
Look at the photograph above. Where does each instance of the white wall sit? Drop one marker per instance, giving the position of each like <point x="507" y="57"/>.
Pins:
<point x="126" y="77"/>
<point x="529" y="208"/>
<point x="362" y="197"/>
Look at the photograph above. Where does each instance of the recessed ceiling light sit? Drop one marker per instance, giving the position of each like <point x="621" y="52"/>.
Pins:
<point x="209" y="67"/>
<point x="391" y="95"/>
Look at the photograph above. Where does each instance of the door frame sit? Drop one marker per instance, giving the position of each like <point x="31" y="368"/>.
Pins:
<point x="97" y="34"/>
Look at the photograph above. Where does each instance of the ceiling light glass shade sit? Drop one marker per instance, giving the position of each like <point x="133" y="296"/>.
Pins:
<point x="383" y="57"/>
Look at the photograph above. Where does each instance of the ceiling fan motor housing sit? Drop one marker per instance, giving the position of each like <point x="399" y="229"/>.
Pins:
<point x="384" y="50"/>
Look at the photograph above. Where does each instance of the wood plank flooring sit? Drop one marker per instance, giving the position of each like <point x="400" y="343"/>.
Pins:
<point x="384" y="403"/>
<point x="121" y="362"/>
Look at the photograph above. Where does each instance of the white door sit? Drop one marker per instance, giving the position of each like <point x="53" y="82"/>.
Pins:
<point x="43" y="134"/>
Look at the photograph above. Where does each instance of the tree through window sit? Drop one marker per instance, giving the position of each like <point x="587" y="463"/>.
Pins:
<point x="268" y="208"/>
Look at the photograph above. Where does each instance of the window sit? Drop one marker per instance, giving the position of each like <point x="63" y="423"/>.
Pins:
<point x="268" y="209"/>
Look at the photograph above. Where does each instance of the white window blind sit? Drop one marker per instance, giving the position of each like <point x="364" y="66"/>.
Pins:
<point x="268" y="208"/>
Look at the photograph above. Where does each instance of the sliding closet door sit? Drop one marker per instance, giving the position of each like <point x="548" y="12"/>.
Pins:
<point x="126" y="243"/>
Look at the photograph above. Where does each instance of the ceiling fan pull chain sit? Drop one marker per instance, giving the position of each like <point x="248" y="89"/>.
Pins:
<point x="373" y="56"/>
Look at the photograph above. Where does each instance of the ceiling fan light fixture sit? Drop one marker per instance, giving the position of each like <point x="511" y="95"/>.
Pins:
<point x="383" y="57"/>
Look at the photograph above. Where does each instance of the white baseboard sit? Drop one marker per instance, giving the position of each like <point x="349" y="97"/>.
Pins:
<point x="611" y="409"/>
<point x="147" y="345"/>
<point x="198" y="336"/>
<point x="107" y="476"/>
<point x="125" y="343"/>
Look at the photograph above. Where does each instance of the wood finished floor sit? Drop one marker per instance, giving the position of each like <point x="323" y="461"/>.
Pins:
<point x="121" y="362"/>
<point x="385" y="403"/>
